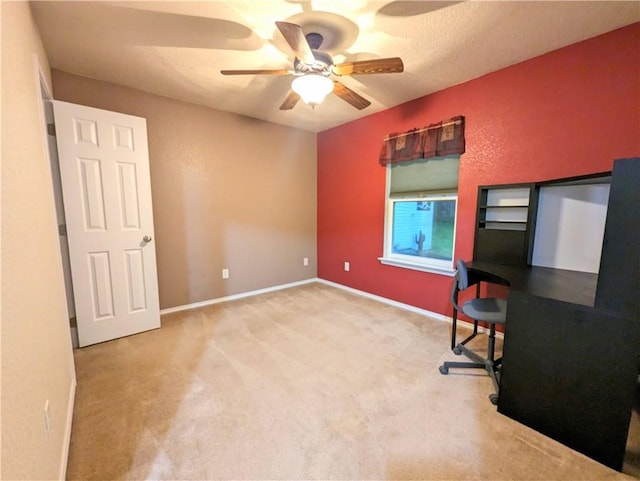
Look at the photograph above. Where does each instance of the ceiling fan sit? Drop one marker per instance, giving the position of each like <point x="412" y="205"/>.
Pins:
<point x="313" y="69"/>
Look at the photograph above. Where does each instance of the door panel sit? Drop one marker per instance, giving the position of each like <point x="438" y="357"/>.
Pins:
<point x="135" y="279"/>
<point x="92" y="196"/>
<point x="128" y="184"/>
<point x="106" y="188"/>
<point x="101" y="286"/>
<point x="86" y="131"/>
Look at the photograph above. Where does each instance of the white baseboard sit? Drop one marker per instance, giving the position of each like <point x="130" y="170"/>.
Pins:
<point x="401" y="305"/>
<point x="209" y="302"/>
<point x="62" y="475"/>
<point x="409" y="307"/>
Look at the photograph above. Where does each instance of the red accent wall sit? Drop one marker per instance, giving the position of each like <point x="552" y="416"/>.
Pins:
<point x="568" y="112"/>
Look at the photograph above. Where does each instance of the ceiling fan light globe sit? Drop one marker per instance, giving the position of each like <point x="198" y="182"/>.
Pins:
<point x="312" y="88"/>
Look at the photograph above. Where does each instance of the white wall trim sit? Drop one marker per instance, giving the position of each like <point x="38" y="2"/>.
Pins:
<point x="408" y="307"/>
<point x="391" y="302"/>
<point x="62" y="475"/>
<point x="405" y="264"/>
<point x="233" y="297"/>
<point x="42" y="79"/>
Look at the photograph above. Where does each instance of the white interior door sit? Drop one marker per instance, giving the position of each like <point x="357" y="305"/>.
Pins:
<point x="104" y="166"/>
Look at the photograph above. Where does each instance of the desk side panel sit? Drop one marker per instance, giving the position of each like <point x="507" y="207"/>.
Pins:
<point x="569" y="372"/>
<point x="619" y="280"/>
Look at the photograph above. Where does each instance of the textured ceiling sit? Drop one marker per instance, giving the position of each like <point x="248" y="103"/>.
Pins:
<point x="177" y="49"/>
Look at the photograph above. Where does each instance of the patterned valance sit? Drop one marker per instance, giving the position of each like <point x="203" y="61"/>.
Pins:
<point x="435" y="140"/>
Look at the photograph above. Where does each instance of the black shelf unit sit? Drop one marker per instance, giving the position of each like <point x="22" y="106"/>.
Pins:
<point x="505" y="223"/>
<point x="497" y="241"/>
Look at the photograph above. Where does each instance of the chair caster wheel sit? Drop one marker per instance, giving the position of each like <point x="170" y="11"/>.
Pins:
<point x="457" y="351"/>
<point x="444" y="370"/>
<point x="494" y="399"/>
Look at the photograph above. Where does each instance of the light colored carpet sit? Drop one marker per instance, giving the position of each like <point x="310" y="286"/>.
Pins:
<point x="306" y="383"/>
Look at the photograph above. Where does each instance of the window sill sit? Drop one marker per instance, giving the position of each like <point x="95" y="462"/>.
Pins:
<point x="450" y="272"/>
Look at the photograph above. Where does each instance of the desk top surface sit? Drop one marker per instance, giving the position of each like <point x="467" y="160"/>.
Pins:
<point x="559" y="284"/>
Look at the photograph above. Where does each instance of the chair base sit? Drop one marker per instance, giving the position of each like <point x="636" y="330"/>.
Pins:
<point x="478" y="362"/>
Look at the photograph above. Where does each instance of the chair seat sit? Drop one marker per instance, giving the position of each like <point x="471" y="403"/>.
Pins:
<point x="491" y="309"/>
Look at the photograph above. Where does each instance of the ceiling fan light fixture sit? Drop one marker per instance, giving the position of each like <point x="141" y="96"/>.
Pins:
<point x="312" y="88"/>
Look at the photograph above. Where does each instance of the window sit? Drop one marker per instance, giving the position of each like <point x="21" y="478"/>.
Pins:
<point x="421" y="214"/>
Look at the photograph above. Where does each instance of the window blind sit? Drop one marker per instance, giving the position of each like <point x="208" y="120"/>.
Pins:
<point x="436" y="175"/>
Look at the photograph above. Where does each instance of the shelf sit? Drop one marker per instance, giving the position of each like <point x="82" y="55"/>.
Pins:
<point x="508" y="196"/>
<point x="502" y="222"/>
<point x="519" y="206"/>
<point x="507" y="214"/>
<point x="503" y="226"/>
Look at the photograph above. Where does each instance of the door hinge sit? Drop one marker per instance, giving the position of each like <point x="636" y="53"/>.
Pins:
<point x="62" y="230"/>
<point x="51" y="129"/>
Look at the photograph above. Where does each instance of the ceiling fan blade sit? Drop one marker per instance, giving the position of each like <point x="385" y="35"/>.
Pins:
<point x="291" y="101"/>
<point x="380" y="65"/>
<point x="296" y="39"/>
<point x="255" y="72"/>
<point x="140" y="25"/>
<point x="349" y="96"/>
<point x="411" y="8"/>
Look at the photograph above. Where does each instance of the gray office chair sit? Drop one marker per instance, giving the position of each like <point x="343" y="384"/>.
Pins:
<point x="490" y="310"/>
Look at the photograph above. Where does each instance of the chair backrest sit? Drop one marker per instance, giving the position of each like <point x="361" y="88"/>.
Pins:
<point x="460" y="283"/>
<point x="463" y="275"/>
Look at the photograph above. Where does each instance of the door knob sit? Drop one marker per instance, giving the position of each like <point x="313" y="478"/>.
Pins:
<point x="147" y="238"/>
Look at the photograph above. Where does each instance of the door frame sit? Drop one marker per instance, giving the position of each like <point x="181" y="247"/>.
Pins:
<point x="45" y="95"/>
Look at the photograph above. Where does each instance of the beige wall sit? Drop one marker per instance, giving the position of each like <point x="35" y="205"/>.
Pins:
<point x="228" y="192"/>
<point x="37" y="362"/>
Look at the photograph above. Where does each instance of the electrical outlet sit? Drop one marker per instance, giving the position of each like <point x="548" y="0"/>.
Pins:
<point x="347" y="266"/>
<point x="225" y="273"/>
<point x="305" y="261"/>
<point x="47" y="418"/>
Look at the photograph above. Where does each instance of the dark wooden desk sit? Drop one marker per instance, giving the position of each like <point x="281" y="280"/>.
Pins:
<point x="569" y="370"/>
<point x="559" y="284"/>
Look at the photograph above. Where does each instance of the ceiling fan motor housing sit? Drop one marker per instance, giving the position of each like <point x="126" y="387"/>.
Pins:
<point x="321" y="65"/>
